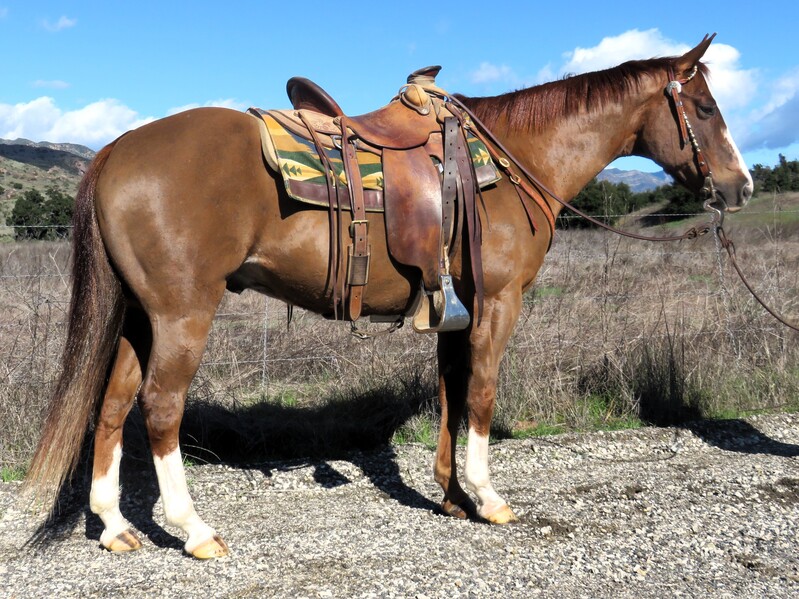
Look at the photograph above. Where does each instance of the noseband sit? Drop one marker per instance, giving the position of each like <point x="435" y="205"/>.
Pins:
<point x="673" y="90"/>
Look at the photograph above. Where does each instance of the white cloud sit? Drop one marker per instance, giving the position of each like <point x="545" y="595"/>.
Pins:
<point x="612" y="51"/>
<point x="63" y="22"/>
<point x="726" y="74"/>
<point x="491" y="73"/>
<point x="727" y="78"/>
<point x="93" y="125"/>
<point x="776" y="124"/>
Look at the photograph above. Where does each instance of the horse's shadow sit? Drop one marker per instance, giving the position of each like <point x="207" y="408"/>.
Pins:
<point x="740" y="436"/>
<point x="262" y="436"/>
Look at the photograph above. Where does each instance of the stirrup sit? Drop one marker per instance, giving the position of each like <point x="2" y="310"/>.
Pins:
<point x="441" y="310"/>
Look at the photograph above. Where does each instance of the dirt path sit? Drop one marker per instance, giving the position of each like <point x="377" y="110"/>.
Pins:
<point x="708" y="511"/>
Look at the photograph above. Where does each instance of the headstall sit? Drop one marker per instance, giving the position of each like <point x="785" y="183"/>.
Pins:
<point x="673" y="90"/>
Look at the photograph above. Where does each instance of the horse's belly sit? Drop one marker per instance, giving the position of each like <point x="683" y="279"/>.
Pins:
<point x="305" y="280"/>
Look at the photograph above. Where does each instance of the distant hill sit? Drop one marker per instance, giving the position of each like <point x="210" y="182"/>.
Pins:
<point x="76" y="149"/>
<point x="636" y="180"/>
<point x="26" y="165"/>
<point x="38" y="165"/>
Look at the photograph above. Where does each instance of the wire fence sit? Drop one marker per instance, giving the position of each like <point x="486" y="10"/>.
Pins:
<point x="595" y="295"/>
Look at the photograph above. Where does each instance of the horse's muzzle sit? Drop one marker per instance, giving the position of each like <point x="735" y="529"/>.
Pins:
<point x="733" y="198"/>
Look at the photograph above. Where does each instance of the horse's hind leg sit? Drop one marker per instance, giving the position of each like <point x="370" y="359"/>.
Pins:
<point x="178" y="345"/>
<point x="126" y="376"/>
<point x="453" y="363"/>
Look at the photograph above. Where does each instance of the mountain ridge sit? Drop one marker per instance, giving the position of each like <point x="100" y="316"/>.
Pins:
<point x="77" y="149"/>
<point x="25" y="164"/>
<point x="638" y="181"/>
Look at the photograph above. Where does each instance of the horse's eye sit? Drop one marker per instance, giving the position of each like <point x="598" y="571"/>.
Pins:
<point x="705" y="111"/>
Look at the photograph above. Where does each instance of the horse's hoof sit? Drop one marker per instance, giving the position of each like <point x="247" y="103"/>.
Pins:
<point x="124" y="541"/>
<point x="504" y="515"/>
<point x="464" y="510"/>
<point x="212" y="548"/>
<point x="453" y="509"/>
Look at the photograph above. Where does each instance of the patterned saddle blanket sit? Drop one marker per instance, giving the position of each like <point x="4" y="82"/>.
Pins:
<point x="289" y="150"/>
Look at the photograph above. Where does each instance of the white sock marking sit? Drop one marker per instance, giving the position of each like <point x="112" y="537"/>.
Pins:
<point x="178" y="506"/>
<point x="104" y="499"/>
<point x="477" y="477"/>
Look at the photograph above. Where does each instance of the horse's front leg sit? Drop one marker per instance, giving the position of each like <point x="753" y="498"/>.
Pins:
<point x="487" y="344"/>
<point x="468" y="364"/>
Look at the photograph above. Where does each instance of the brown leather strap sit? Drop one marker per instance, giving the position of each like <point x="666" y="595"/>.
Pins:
<point x="728" y="245"/>
<point x="334" y="280"/>
<point x="674" y="88"/>
<point x="474" y="232"/>
<point x="358" y="258"/>
<point x="449" y="186"/>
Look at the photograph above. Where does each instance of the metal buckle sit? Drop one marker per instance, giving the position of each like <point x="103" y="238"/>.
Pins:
<point x="358" y="222"/>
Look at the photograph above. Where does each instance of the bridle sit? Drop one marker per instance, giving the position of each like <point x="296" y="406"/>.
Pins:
<point x="710" y="204"/>
<point x="708" y="191"/>
<point x="535" y="189"/>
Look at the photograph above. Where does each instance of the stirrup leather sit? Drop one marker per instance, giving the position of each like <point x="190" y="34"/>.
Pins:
<point x="440" y="310"/>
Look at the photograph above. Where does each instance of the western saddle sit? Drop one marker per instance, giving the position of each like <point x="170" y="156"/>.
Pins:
<point x="429" y="190"/>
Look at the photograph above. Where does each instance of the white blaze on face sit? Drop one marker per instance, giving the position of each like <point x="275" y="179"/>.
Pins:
<point x="741" y="163"/>
<point x="477" y="477"/>
<point x="178" y="506"/>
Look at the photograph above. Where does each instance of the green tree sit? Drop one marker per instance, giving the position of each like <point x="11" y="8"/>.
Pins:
<point x="679" y="201"/>
<point x="59" y="208"/>
<point x="38" y="217"/>
<point x="28" y="216"/>
<point x="782" y="177"/>
<point x="604" y="201"/>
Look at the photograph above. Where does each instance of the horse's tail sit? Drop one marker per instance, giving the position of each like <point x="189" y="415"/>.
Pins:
<point x="96" y="311"/>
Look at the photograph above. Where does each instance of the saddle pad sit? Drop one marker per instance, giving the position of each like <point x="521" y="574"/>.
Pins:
<point x="304" y="175"/>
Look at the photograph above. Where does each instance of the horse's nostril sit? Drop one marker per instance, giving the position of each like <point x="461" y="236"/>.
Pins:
<point x="746" y="193"/>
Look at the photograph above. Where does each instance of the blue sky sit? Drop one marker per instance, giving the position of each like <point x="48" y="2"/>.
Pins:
<point x="85" y="72"/>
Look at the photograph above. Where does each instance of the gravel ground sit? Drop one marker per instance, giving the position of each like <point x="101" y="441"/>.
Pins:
<point x="710" y="510"/>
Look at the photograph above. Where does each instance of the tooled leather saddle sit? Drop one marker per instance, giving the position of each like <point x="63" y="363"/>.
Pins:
<point x="420" y="151"/>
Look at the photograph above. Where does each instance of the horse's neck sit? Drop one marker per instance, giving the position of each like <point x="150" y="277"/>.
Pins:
<point x="573" y="149"/>
<point x="568" y="154"/>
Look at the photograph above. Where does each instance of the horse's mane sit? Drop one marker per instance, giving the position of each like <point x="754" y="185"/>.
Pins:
<point x="533" y="108"/>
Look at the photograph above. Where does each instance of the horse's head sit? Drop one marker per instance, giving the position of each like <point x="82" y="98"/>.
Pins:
<point x="684" y="132"/>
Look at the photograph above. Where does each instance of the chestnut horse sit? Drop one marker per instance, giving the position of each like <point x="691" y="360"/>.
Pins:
<point x="172" y="214"/>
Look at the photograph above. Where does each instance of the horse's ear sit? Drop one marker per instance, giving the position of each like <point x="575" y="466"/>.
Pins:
<point x="685" y="63"/>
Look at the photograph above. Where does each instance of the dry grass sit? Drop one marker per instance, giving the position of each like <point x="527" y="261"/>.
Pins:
<point x="615" y="332"/>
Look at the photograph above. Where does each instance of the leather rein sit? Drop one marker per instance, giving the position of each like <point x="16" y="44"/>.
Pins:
<point x="535" y="189"/>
